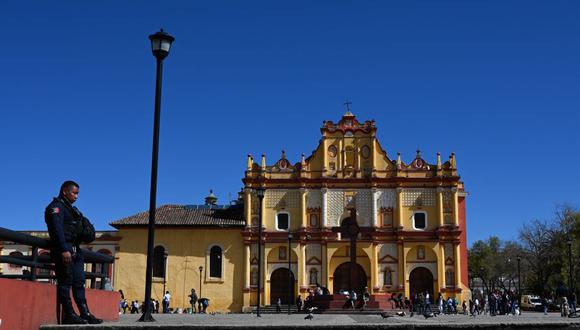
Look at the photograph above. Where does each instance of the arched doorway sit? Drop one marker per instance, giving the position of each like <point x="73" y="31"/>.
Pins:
<point x="279" y="286"/>
<point x="341" y="278"/>
<point x="421" y="281"/>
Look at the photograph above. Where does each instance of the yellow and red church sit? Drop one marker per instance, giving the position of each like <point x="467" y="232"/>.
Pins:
<point x="409" y="218"/>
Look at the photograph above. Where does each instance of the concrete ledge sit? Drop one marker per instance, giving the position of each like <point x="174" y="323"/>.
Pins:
<point x="25" y="305"/>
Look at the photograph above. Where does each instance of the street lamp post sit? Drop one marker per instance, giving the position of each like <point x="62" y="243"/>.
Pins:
<point x="519" y="285"/>
<point x="200" y="276"/>
<point x="160" y="45"/>
<point x="483" y="283"/>
<point x="289" y="271"/>
<point x="570" y="280"/>
<point x="260" y="192"/>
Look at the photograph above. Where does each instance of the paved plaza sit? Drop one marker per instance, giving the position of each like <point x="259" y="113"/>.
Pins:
<point x="337" y="321"/>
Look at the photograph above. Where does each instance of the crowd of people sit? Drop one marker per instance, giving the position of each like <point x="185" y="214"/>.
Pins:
<point x="198" y="305"/>
<point x="495" y="303"/>
<point x="498" y="302"/>
<point x="308" y="302"/>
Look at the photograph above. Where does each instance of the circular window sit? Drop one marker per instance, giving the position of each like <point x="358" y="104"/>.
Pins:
<point x="365" y="151"/>
<point x="332" y="151"/>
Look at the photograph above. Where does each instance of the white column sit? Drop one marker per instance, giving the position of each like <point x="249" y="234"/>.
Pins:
<point x="440" y="207"/>
<point x="324" y="207"/>
<point x="248" y="207"/>
<point x="303" y="214"/>
<point x="455" y="206"/>
<point x="247" y="265"/>
<point x="302" y="274"/>
<point x="374" y="207"/>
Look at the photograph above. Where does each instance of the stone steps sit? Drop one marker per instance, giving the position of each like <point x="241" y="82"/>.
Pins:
<point x="271" y="309"/>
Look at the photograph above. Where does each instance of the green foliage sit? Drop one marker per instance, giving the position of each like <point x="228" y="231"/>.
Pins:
<point x="494" y="262"/>
<point x="543" y="249"/>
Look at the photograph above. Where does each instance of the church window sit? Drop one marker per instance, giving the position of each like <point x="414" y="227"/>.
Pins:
<point x="388" y="280"/>
<point x="215" y="262"/>
<point x="332" y="151"/>
<point x="313" y="276"/>
<point x="365" y="151"/>
<point x="282" y="221"/>
<point x="449" y="278"/>
<point x="159" y="261"/>
<point x="387" y="218"/>
<point x="420" y="220"/>
<point x="254" y="277"/>
<point x="314" y="220"/>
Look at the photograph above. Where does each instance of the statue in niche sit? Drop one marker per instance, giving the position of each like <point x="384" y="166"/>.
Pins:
<point x="421" y="252"/>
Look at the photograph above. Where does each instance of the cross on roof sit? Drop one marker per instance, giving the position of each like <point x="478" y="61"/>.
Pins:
<point x="347" y="104"/>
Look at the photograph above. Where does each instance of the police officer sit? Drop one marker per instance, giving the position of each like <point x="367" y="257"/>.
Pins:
<point x="67" y="229"/>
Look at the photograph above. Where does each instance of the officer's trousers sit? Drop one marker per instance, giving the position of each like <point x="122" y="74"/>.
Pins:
<point x="67" y="277"/>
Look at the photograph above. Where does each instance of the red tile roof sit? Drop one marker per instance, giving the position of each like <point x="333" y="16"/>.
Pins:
<point x="188" y="215"/>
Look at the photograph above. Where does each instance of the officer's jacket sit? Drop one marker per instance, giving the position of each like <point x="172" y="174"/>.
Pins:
<point x="64" y="224"/>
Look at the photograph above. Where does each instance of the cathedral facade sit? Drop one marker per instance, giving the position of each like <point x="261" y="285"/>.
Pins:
<point x="403" y="225"/>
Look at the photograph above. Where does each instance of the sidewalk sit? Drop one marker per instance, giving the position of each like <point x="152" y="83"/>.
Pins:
<point x="296" y="321"/>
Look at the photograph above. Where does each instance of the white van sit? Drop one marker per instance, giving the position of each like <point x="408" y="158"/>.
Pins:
<point x="530" y="302"/>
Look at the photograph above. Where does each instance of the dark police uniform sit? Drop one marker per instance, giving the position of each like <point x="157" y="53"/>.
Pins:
<point x="65" y="227"/>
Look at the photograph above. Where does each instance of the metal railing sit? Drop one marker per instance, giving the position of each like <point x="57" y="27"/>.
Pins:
<point x="36" y="261"/>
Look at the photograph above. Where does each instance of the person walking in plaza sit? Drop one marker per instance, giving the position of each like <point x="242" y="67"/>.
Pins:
<point x="440" y="304"/>
<point x="561" y="293"/>
<point x="193" y="300"/>
<point x="427" y="303"/>
<point x="166" y="301"/>
<point x="299" y="303"/>
<point x="545" y="304"/>
<point x="203" y="305"/>
<point x="486" y="306"/>
<point x="278" y="305"/>
<point x="573" y="301"/>
<point x="365" y="296"/>
<point x="67" y="229"/>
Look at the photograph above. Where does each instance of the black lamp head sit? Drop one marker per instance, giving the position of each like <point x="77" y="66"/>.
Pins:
<point x="161" y="44"/>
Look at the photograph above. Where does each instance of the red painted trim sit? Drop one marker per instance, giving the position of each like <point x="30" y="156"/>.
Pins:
<point x="463" y="241"/>
<point x="309" y="183"/>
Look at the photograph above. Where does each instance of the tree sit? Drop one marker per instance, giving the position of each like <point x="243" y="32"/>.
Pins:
<point x="493" y="262"/>
<point x="543" y="249"/>
<point x="542" y="254"/>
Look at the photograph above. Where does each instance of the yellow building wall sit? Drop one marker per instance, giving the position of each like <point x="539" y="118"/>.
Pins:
<point x="187" y="250"/>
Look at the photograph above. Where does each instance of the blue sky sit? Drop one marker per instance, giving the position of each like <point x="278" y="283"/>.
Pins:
<point x="497" y="82"/>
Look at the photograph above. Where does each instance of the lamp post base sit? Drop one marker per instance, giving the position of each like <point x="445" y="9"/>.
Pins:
<point x="146" y="317"/>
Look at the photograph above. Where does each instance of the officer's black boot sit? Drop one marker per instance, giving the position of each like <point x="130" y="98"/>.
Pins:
<point x="86" y="314"/>
<point x="68" y="314"/>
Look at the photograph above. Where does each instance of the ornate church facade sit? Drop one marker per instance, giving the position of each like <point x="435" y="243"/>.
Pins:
<point x="403" y="225"/>
<point x="409" y="219"/>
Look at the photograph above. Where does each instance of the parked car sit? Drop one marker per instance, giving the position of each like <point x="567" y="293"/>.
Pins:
<point x="531" y="303"/>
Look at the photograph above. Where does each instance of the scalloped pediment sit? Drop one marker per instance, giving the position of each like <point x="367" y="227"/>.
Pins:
<point x="388" y="259"/>
<point x="314" y="261"/>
